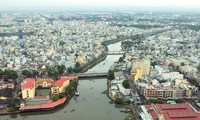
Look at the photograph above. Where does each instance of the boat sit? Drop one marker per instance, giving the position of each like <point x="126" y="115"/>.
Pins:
<point x="77" y="93"/>
<point x="125" y="110"/>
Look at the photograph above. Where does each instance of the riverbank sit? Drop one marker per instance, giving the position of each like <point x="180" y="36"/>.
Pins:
<point x="102" y="57"/>
<point x="91" y="65"/>
<point x="94" y="62"/>
<point x="8" y="113"/>
<point x="109" y="90"/>
<point x="43" y="107"/>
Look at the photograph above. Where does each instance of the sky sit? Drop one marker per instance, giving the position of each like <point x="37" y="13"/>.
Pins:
<point x="21" y="4"/>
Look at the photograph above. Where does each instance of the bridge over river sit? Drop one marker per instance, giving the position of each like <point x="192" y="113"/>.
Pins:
<point x="92" y="75"/>
<point x="115" y="52"/>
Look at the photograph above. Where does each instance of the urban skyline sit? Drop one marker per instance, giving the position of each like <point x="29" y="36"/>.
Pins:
<point x="170" y="5"/>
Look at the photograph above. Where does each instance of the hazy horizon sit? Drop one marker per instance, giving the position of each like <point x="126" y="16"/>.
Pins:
<point x="143" y="5"/>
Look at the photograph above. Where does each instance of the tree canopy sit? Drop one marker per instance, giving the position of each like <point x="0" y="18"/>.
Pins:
<point x="125" y="84"/>
<point x="10" y="74"/>
<point x="111" y="75"/>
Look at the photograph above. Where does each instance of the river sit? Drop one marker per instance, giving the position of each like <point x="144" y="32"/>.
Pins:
<point x="90" y="105"/>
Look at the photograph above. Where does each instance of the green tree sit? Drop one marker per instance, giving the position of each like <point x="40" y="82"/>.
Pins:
<point x="71" y="88"/>
<point x="35" y="73"/>
<point x="26" y="73"/>
<point x="125" y="84"/>
<point x="10" y="74"/>
<point x="182" y="64"/>
<point x="155" y="63"/>
<point x="193" y="81"/>
<point x="1" y="73"/>
<point x="77" y="65"/>
<point x="121" y="59"/>
<point x="119" y="101"/>
<point x="124" y="55"/>
<point x="76" y="55"/>
<point x="55" y="98"/>
<point x="55" y="74"/>
<point x="61" y="69"/>
<point x="70" y="70"/>
<point x="111" y="75"/>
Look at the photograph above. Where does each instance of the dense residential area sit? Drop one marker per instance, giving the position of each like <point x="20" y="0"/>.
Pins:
<point x="131" y="65"/>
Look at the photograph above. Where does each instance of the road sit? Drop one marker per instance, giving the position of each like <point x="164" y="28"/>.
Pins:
<point x="135" y="108"/>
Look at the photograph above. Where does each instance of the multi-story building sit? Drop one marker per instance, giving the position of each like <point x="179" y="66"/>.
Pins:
<point x="28" y="88"/>
<point x="175" y="92"/>
<point x="136" y="74"/>
<point x="59" y="86"/>
<point x="140" y="68"/>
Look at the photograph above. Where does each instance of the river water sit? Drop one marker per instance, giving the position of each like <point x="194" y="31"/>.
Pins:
<point x="90" y="105"/>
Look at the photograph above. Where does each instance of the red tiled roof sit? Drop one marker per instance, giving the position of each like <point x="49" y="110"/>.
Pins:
<point x="173" y="111"/>
<point x="172" y="106"/>
<point x="71" y="77"/>
<point x="40" y="81"/>
<point x="182" y="115"/>
<point x="152" y="112"/>
<point x="59" y="82"/>
<point x="28" y="83"/>
<point x="44" y="106"/>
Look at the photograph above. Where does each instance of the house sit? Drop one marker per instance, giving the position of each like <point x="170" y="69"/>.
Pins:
<point x="28" y="88"/>
<point x="7" y="84"/>
<point x="59" y="86"/>
<point x="119" y="75"/>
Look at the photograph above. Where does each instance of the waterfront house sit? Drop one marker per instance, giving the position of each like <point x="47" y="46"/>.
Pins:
<point x="59" y="86"/>
<point x="28" y="88"/>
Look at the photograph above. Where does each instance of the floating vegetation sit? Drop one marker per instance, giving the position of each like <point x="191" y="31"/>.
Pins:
<point x="105" y="92"/>
<point x="119" y="105"/>
<point x="111" y="102"/>
<point x="72" y="110"/>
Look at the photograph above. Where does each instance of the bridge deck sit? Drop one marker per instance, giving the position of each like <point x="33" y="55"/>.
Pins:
<point x="115" y="52"/>
<point x="88" y="75"/>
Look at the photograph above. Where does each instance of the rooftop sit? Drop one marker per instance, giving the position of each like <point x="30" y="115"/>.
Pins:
<point x="173" y="111"/>
<point x="44" y="106"/>
<point x="71" y="77"/>
<point x="40" y="81"/>
<point x="28" y="83"/>
<point x="59" y="82"/>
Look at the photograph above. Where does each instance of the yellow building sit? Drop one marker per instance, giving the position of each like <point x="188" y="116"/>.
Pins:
<point x="59" y="86"/>
<point x="179" y="61"/>
<point x="28" y="88"/>
<point x="137" y="74"/>
<point x="140" y="68"/>
<point x="145" y="66"/>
